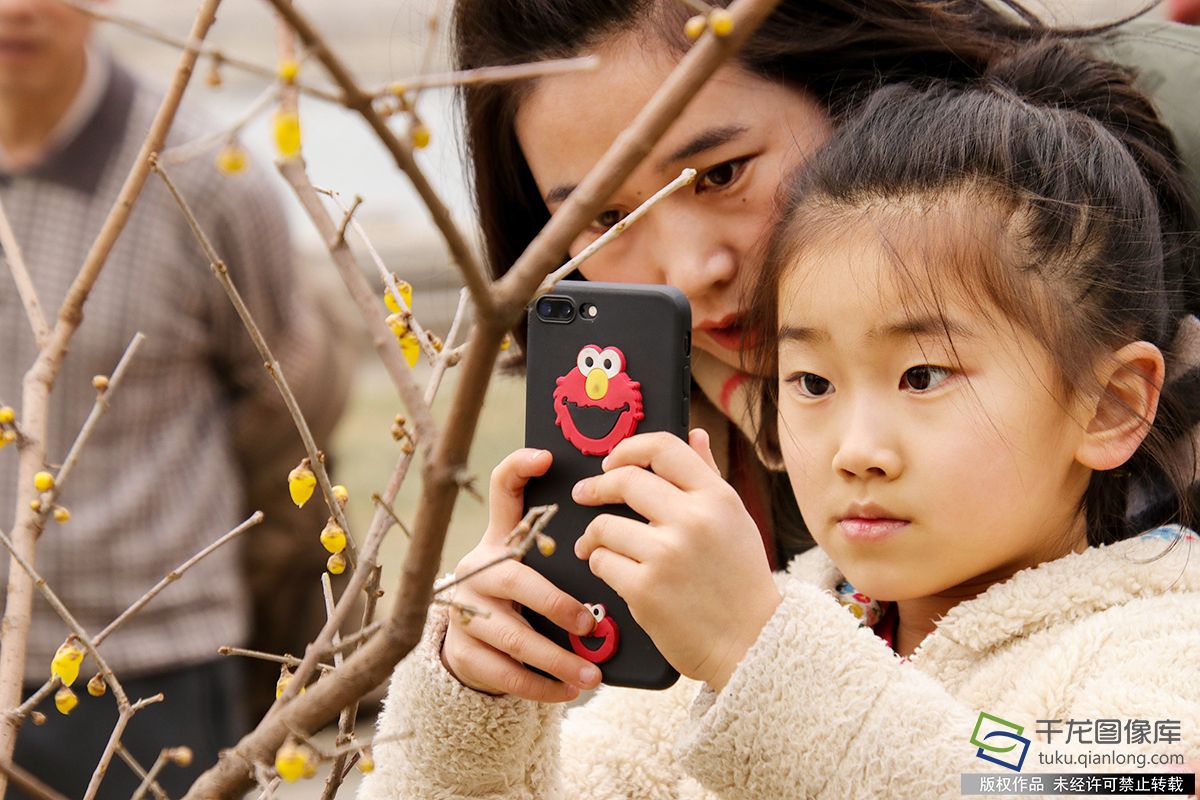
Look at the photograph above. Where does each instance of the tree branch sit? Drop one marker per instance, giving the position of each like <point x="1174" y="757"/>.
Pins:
<point x="21" y="277"/>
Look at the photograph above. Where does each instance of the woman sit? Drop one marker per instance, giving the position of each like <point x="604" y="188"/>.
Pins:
<point x="758" y="118"/>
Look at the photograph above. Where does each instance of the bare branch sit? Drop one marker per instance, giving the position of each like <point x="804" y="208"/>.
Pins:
<point x="89" y="425"/>
<point x="195" y="46"/>
<point x="290" y="661"/>
<point x="28" y="783"/>
<point x="472" y="77"/>
<point x="364" y="297"/>
<point x="24" y="282"/>
<point x="127" y="713"/>
<point x="685" y="178"/>
<point x="40" y="378"/>
<point x="219" y="269"/>
<point x="198" y="147"/>
<point x="357" y="100"/>
<point x="140" y="771"/>
<point x="69" y="618"/>
<point x="149" y="777"/>
<point x="534" y="522"/>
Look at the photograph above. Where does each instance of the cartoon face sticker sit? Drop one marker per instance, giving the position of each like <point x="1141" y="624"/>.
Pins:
<point x="606" y="632"/>
<point x="596" y="404"/>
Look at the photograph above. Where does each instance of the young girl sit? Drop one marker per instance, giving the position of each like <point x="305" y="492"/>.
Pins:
<point x="975" y="323"/>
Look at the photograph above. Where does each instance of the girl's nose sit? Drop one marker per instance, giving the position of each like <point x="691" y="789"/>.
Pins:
<point x="867" y="448"/>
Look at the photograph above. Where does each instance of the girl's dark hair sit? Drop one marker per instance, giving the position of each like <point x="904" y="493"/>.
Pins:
<point x="1073" y="220"/>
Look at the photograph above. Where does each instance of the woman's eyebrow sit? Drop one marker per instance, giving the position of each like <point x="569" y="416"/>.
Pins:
<point x="706" y="140"/>
<point x="709" y="139"/>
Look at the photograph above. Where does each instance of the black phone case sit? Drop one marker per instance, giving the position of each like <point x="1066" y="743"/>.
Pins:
<point x="651" y="326"/>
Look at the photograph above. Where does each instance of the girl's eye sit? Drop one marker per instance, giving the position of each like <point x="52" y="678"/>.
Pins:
<point x="811" y="385"/>
<point x="607" y="218"/>
<point x="924" y="377"/>
<point x="720" y="176"/>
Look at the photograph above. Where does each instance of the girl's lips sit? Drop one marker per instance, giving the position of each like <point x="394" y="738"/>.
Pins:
<point x="862" y="529"/>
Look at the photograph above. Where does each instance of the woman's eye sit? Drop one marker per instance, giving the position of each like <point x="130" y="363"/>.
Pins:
<point x="720" y="176"/>
<point x="811" y="385"/>
<point x="924" y="377"/>
<point x="607" y="218"/>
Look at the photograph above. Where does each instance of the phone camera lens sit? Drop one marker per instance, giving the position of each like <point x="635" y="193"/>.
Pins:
<point x="546" y="308"/>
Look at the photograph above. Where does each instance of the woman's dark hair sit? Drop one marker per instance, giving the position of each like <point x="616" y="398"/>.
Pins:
<point x="1054" y="196"/>
<point x="833" y="49"/>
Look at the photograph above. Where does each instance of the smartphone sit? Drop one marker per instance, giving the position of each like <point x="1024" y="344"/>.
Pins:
<point x="605" y="361"/>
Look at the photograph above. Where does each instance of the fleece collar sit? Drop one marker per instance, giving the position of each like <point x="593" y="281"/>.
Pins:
<point x="1063" y="591"/>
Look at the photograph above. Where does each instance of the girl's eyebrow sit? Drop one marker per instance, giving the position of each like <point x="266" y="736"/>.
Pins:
<point x="704" y="141"/>
<point x="905" y="328"/>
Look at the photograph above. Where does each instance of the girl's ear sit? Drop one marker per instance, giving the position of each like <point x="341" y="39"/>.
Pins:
<point x="1125" y="407"/>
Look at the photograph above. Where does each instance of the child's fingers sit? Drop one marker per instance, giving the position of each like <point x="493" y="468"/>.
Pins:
<point x="668" y="456"/>
<point x="645" y="492"/>
<point x="622" y="535"/>
<point x="513" y="637"/>
<point x="519" y="583"/>
<point x="506" y="495"/>
<point x="507" y="676"/>
<point x="618" y="571"/>
<point x="700" y="442"/>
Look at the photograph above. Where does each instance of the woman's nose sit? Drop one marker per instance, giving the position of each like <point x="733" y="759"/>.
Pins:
<point x="695" y="256"/>
<point x="867" y="447"/>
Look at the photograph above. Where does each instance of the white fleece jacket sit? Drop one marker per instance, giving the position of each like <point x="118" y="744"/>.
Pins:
<point x="820" y="707"/>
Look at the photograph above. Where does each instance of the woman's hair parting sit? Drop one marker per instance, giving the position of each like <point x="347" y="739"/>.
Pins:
<point x="1092" y="243"/>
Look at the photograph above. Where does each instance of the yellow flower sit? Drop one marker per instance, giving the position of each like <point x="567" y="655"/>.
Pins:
<point x="301" y="482"/>
<point x="695" y="27"/>
<point x="366" y="763"/>
<point x="420" y="136"/>
<point x="61" y="514"/>
<point x="43" y="481"/>
<point x="405" y="289"/>
<point x="545" y="545"/>
<point x="66" y="661"/>
<point x="65" y="701"/>
<point x="231" y="159"/>
<point x="506" y="342"/>
<point x="96" y="686"/>
<point x="721" y="21"/>
<point x="341" y="494"/>
<point x="7" y="415"/>
<point x="287" y="133"/>
<point x="288" y="70"/>
<point x="336" y="564"/>
<point x="292" y="762"/>
<point x="333" y="538"/>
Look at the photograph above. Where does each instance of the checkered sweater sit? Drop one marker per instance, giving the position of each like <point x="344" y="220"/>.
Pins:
<point x="157" y="481"/>
<point x="820" y="707"/>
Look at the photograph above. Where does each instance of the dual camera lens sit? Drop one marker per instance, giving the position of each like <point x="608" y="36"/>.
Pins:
<point x="555" y="309"/>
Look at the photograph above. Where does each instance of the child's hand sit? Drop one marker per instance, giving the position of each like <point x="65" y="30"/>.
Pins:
<point x="489" y="653"/>
<point x="695" y="576"/>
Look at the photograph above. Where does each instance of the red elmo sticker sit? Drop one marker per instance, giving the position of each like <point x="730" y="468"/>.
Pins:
<point x="596" y="404"/>
<point x="606" y="631"/>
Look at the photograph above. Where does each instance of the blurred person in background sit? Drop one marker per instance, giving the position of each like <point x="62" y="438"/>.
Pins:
<point x="197" y="433"/>
<point x="1185" y="11"/>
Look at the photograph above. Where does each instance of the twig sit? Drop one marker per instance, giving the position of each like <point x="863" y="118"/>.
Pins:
<point x="127" y="713"/>
<point x="391" y="513"/>
<point x="149" y="777"/>
<point x="534" y="522"/>
<point x="365" y="298"/>
<point x="357" y="100"/>
<point x="28" y="783"/>
<point x="194" y="46"/>
<point x="197" y="147"/>
<point x="686" y="177"/>
<point x="341" y="231"/>
<point x="49" y="686"/>
<point x="72" y="623"/>
<point x="140" y="771"/>
<point x="89" y="425"/>
<point x="40" y="378"/>
<point x="177" y="573"/>
<point x="290" y="661"/>
<point x="349" y="715"/>
<point x="276" y="372"/>
<point x="21" y="277"/>
<point x="472" y="77"/>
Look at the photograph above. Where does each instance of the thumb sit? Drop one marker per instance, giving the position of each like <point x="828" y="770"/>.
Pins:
<point x="698" y="440"/>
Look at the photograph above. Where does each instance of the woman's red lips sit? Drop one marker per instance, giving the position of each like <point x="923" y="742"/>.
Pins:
<point x="726" y="332"/>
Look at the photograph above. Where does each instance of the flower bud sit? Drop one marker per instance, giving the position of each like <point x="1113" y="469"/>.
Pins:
<point x="333" y="538"/>
<point x="96" y="686"/>
<point x="694" y="27"/>
<point x="43" y="481"/>
<point x="336" y="564"/>
<point x="65" y="701"/>
<point x="292" y="761"/>
<point x="61" y="514"/>
<point x="7" y="415"/>
<point x="721" y="22"/>
<point x="301" y="482"/>
<point x="66" y="661"/>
